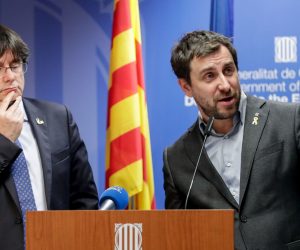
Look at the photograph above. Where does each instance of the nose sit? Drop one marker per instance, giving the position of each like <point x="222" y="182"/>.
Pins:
<point x="224" y="84"/>
<point x="8" y="75"/>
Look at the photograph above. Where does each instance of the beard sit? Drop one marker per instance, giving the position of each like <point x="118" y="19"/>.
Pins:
<point x="212" y="110"/>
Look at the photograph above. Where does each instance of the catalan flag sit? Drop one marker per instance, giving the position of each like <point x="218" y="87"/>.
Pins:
<point x="128" y="150"/>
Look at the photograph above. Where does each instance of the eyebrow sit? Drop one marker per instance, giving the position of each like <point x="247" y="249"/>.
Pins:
<point x="13" y="61"/>
<point x="229" y="64"/>
<point x="212" y="68"/>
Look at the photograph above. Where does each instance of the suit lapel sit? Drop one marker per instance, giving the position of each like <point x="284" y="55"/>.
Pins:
<point x="38" y="123"/>
<point x="255" y="121"/>
<point x="10" y="185"/>
<point x="193" y="143"/>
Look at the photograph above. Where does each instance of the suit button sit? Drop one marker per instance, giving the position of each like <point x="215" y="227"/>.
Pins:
<point x="18" y="220"/>
<point x="243" y="218"/>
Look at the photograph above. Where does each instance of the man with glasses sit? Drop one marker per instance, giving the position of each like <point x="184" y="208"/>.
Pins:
<point x="43" y="161"/>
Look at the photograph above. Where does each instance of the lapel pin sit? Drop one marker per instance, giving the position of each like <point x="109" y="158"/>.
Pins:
<point x="255" y="119"/>
<point x="39" y="121"/>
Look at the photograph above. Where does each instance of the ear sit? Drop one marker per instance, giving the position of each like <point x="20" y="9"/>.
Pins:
<point x="186" y="87"/>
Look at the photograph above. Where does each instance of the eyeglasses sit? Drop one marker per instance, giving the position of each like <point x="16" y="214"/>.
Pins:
<point x="16" y="68"/>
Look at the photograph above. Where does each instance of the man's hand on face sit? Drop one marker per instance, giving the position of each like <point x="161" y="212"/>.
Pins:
<point x="11" y="117"/>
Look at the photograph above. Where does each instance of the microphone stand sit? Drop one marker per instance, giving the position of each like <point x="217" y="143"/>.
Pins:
<point x="206" y="134"/>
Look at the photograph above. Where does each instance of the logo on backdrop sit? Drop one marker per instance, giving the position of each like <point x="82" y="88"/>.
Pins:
<point x="128" y="236"/>
<point x="285" y="49"/>
<point x="279" y="78"/>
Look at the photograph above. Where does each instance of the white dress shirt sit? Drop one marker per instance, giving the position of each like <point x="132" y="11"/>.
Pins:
<point x="34" y="163"/>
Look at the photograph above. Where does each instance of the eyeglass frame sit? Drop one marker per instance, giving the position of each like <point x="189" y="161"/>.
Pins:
<point x="23" y="66"/>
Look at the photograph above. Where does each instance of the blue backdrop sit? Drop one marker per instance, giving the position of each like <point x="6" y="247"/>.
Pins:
<point x="70" y="51"/>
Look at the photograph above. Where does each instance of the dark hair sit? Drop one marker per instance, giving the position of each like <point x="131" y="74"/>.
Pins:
<point x="10" y="40"/>
<point x="197" y="44"/>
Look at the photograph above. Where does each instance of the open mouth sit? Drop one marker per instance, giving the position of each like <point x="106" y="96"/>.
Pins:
<point x="227" y="100"/>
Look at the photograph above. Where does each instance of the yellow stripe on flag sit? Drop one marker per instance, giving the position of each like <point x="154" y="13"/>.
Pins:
<point x="130" y="177"/>
<point x="107" y="151"/>
<point x="119" y="55"/>
<point x="144" y="113"/>
<point x="135" y="20"/>
<point x="144" y="198"/>
<point x="124" y="116"/>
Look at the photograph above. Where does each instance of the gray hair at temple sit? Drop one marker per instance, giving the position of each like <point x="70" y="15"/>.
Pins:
<point x="10" y="40"/>
<point x="198" y="44"/>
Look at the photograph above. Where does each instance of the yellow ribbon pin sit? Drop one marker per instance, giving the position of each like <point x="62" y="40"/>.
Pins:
<point x="39" y="121"/>
<point x="255" y="119"/>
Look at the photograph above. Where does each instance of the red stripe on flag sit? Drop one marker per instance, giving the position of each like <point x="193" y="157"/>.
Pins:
<point x="145" y="176"/>
<point x="122" y="19"/>
<point x="125" y="150"/>
<point x="153" y="203"/>
<point x="124" y="83"/>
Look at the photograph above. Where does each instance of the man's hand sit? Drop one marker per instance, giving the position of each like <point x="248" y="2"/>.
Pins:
<point x="11" y="117"/>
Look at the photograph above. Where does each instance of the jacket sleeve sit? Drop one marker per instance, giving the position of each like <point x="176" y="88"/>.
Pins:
<point x="8" y="153"/>
<point x="83" y="193"/>
<point x="297" y="127"/>
<point x="173" y="199"/>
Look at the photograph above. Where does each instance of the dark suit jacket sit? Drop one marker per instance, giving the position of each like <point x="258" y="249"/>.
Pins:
<point x="68" y="178"/>
<point x="268" y="214"/>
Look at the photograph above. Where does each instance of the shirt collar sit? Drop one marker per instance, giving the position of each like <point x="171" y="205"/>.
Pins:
<point x="23" y="110"/>
<point x="242" y="107"/>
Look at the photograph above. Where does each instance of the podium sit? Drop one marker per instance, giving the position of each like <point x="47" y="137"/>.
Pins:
<point x="130" y="230"/>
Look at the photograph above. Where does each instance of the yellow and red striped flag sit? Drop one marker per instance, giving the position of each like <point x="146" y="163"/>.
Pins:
<point x="128" y="150"/>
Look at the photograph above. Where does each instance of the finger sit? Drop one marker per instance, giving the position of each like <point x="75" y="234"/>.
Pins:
<point x="16" y="110"/>
<point x="15" y="105"/>
<point x="20" y="114"/>
<point x="20" y="120"/>
<point x="6" y="101"/>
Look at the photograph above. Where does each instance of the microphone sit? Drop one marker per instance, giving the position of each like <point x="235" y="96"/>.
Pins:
<point x="208" y="127"/>
<point x="113" y="198"/>
<point x="207" y="133"/>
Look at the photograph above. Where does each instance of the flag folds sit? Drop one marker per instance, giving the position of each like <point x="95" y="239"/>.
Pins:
<point x="128" y="150"/>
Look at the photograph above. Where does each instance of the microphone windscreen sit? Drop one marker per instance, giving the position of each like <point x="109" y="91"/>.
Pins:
<point x="117" y="194"/>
